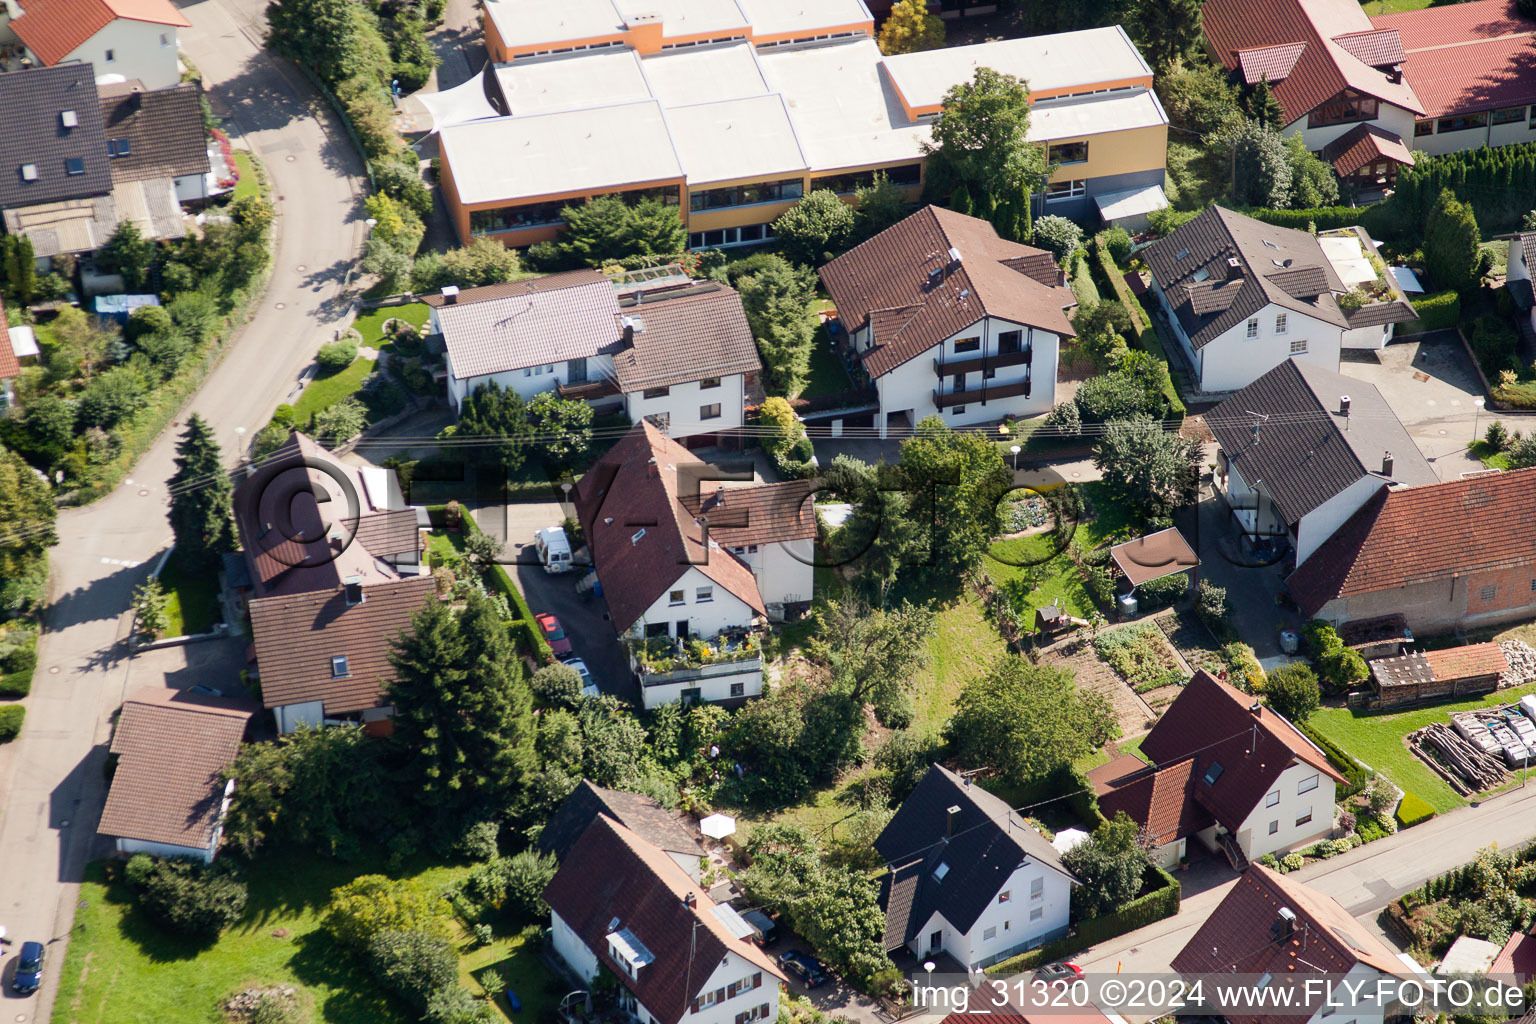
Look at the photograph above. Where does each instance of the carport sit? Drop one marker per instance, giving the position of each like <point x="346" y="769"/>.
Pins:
<point x="1154" y="556"/>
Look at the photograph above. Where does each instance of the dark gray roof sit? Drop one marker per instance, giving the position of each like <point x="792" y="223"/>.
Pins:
<point x="34" y="102"/>
<point x="1520" y="290"/>
<point x="1307" y="451"/>
<point x="640" y="814"/>
<point x="1527" y="244"/>
<point x="1378" y="313"/>
<point x="1275" y="264"/>
<point x="986" y="845"/>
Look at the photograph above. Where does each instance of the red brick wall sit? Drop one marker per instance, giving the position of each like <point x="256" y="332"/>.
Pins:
<point x="1512" y="589"/>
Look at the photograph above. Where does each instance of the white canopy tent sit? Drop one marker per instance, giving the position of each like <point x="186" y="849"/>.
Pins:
<point x="463" y="103"/>
<point x="718" y="826"/>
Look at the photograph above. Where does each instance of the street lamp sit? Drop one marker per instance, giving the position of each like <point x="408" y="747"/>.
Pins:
<point x="240" y="441"/>
<point x="1477" y="411"/>
<point x="370" y="223"/>
<point x="1015" y="450"/>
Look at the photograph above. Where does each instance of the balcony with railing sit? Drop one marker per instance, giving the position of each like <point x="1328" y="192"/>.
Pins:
<point x="588" y="390"/>
<point x="976" y="364"/>
<point x="987" y="391"/>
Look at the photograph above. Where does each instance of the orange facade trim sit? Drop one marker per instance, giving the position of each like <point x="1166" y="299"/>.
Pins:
<point x="646" y="36"/>
<point x="914" y="112"/>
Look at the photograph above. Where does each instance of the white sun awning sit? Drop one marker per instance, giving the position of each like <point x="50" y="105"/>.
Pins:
<point x="463" y="103"/>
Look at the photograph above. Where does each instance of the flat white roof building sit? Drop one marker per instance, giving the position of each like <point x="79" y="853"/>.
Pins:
<point x="700" y="73"/>
<point x="1094" y="115"/>
<point x="734" y="139"/>
<point x="535" y="85"/>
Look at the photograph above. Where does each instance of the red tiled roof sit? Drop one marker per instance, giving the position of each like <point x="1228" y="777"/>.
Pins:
<point x="1410" y="535"/>
<point x="172" y="747"/>
<point x="1323" y="69"/>
<point x="612" y="880"/>
<point x="639" y="485"/>
<point x="763" y="514"/>
<point x="1518" y="956"/>
<point x="1467" y="57"/>
<point x="297" y="635"/>
<point x="10" y="366"/>
<point x="1160" y="800"/>
<point x="1378" y="47"/>
<point x="1365" y="144"/>
<point x="53" y="29"/>
<point x="887" y="283"/>
<point x="1232" y="940"/>
<point x="1467" y="662"/>
<point x="1210" y="723"/>
<point x="1269" y="62"/>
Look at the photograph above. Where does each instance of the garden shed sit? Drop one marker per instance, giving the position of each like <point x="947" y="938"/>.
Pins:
<point x="1438" y="675"/>
<point x="1154" y="556"/>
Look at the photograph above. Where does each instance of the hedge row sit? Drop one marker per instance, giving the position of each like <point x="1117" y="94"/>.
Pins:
<point x="1380" y="221"/>
<point x="1413" y="810"/>
<point x="1437" y="311"/>
<point x="1146" y="335"/>
<point x="1156" y="905"/>
<point x="10" y="721"/>
<point x="1353" y="771"/>
<point x="16" y="667"/>
<point x="524" y="629"/>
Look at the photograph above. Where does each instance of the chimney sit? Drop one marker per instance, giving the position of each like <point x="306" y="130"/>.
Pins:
<point x="1386" y="463"/>
<point x="1284" y="925"/>
<point x="450" y="294"/>
<point x="1256" y="708"/>
<point x="650" y="468"/>
<point x="951" y="819"/>
<point x="954" y="255"/>
<point x="1343" y="405"/>
<point x="1234" y="268"/>
<point x="690" y="900"/>
<point x="629" y="331"/>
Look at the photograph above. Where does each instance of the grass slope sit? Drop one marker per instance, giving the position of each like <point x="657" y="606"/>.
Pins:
<point x="193" y="601"/>
<point x="324" y="392"/>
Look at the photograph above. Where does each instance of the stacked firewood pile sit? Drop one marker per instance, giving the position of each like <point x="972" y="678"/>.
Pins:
<point x="1444" y="748"/>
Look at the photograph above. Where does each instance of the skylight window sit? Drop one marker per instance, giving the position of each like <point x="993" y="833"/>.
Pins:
<point x="1203" y="274"/>
<point x="29" y="172"/>
<point x="1213" y="773"/>
<point x="940" y="871"/>
<point x="1181" y="254"/>
<point x="74" y="165"/>
<point x="339" y="668"/>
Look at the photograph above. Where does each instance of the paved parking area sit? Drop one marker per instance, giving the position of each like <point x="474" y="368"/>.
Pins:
<point x="1430" y="382"/>
<point x="215" y="663"/>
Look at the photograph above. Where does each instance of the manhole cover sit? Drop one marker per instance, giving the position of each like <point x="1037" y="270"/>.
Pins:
<point x="54" y="670"/>
<point x="64" y="823"/>
<point x="1443" y="431"/>
<point x="144" y="492"/>
<point x="290" y="158"/>
<point x="282" y="305"/>
<point x="301" y="268"/>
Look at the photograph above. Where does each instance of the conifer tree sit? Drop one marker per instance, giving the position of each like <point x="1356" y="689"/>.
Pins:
<point x="201" y="513"/>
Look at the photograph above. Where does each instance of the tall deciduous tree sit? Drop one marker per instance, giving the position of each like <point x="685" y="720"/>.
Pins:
<point x="1165" y="29"/>
<point x="954" y="480"/>
<point x="491" y="411"/>
<point x="333" y="38"/>
<point x="1027" y="720"/>
<point x="874" y="652"/>
<point x="463" y="711"/>
<point x="910" y="28"/>
<point x="561" y="428"/>
<point x="1451" y="240"/>
<point x="1149" y="469"/>
<point x="980" y="144"/>
<point x="27" y="516"/>
<point x="816" y="229"/>
<point x="1259" y="165"/>
<point x="878" y="206"/>
<point x="1110" y="865"/>
<point x="202" y="516"/>
<point x="776" y="299"/>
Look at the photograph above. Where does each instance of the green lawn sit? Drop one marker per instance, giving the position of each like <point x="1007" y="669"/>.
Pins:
<point x="248" y="185"/>
<point x="123" y="969"/>
<point x="1488" y="457"/>
<point x="442" y="545"/>
<point x="827" y="375"/>
<point x="1063" y="584"/>
<point x="516" y="959"/>
<point x="1377" y="740"/>
<point x="371" y="324"/>
<point x="193" y="605"/>
<point x="324" y="392"/>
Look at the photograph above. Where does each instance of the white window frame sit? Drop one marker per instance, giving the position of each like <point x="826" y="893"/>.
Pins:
<point x="1037" y="914"/>
<point x="340" y="667"/>
<point x="990" y="934"/>
<point x="1253" y="327"/>
<point x="676" y="597"/>
<point x="703" y="595"/>
<point x="1306" y="785"/>
<point x="1272" y="799"/>
<point x="1280" y="323"/>
<point x="1299" y="347"/>
<point x="1274" y="826"/>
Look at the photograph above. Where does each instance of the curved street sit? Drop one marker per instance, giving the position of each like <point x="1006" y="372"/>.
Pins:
<point x="51" y="779"/>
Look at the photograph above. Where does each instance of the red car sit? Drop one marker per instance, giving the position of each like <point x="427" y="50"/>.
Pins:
<point x="558" y="641"/>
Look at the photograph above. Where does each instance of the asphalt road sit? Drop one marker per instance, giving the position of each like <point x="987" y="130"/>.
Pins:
<point x="51" y="783"/>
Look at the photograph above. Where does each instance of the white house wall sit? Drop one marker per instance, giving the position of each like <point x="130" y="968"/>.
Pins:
<point x="1324" y="521"/>
<point x="1372" y="338"/>
<point x="705" y="618"/>
<point x="1255" y="512"/>
<point x="1392" y="118"/>
<point x="572" y="950"/>
<point x="1470" y="138"/>
<point x="1255" y="838"/>
<point x="140" y="49"/>
<point x="132" y="846"/>
<point x="1015" y="926"/>
<point x="784" y="578"/>
<point x="683" y="406"/>
<point x="732" y="969"/>
<point x="1232" y="360"/>
<point x="291" y="716"/>
<point x="1360" y="980"/>
<point x="910" y="386"/>
<point x="526" y="381"/>
<point x="712" y="688"/>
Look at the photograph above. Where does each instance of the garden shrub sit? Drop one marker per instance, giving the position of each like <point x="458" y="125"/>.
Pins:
<point x="1243" y="668"/>
<point x="413" y="965"/>
<point x="382" y="397"/>
<point x="1413" y="810"/>
<point x="1118" y="242"/>
<point x="1269" y="861"/>
<point x="1341" y="668"/>
<point x="371" y="904"/>
<point x="1163" y="591"/>
<point x="10" y="721"/>
<point x="1493" y="340"/>
<point x="188" y="897"/>
<point x="1292" y="861"/>
<point x="335" y="356"/>
<point x="1437" y="311"/>
<point x="1214" y="609"/>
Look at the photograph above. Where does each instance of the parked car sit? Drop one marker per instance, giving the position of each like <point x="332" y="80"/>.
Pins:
<point x="805" y="967"/>
<point x="764" y="931"/>
<point x="29" y="968"/>
<point x="554" y="633"/>
<point x="554" y="549"/>
<point x="1065" y="971"/>
<point x="588" y="685"/>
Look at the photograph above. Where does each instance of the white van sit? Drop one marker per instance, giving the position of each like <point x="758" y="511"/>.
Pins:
<point x="554" y="549"/>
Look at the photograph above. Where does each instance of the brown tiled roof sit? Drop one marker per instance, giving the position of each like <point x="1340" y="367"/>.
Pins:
<point x="53" y="29"/>
<point x="1378" y="47"/>
<point x="638" y="485"/>
<point x="887" y="283"/>
<point x="1211" y="723"/>
<point x="1161" y="800"/>
<point x="640" y="814"/>
<point x="1304" y="451"/>
<point x="1273" y="63"/>
<point x="1326" y="939"/>
<point x="762" y="514"/>
<point x="1154" y="556"/>
<point x="527" y="286"/>
<point x="1527" y="242"/>
<point x="683" y="339"/>
<point x="1467" y="662"/>
<point x="297" y="635"/>
<point x="389" y="533"/>
<point x="1411" y="535"/>
<point x="611" y="880"/>
<point x="1365" y="144"/>
<point x="10" y="366"/>
<point x="1278" y="265"/>
<point x="163" y="129"/>
<point x="1325" y="66"/>
<point x="1467" y="57"/>
<point x="172" y="747"/>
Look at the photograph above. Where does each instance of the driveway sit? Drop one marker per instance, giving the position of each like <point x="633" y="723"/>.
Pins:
<point x="1251" y="589"/>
